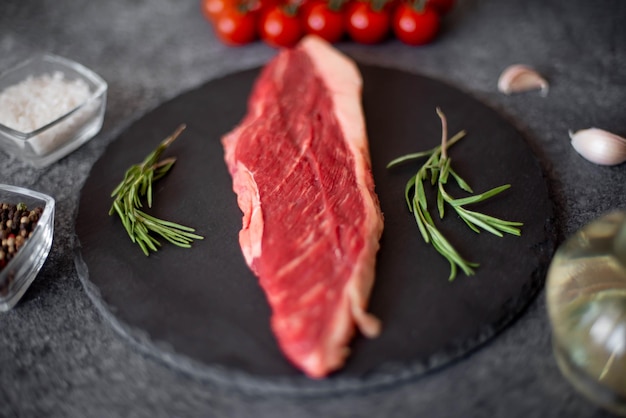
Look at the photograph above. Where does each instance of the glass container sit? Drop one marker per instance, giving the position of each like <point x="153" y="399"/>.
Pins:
<point x="586" y="298"/>
<point x="18" y="274"/>
<point x="57" y="138"/>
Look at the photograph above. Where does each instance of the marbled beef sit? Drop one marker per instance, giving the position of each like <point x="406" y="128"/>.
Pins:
<point x="311" y="220"/>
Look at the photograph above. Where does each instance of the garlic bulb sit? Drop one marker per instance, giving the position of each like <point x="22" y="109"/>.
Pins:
<point x="520" y="78"/>
<point x="599" y="146"/>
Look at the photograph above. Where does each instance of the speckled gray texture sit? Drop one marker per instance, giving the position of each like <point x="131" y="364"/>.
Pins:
<point x="58" y="358"/>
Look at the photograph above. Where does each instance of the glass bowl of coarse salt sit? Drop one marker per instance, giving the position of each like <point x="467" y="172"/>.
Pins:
<point x="49" y="106"/>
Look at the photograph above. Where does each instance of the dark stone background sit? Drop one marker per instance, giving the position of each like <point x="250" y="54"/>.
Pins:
<point x="59" y="358"/>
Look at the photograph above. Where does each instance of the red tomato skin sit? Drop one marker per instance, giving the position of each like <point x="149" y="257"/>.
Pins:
<point x="278" y="29"/>
<point x="262" y="6"/>
<point x="414" y="27"/>
<point x="324" y="22"/>
<point x="365" y="25"/>
<point x="211" y="9"/>
<point x="442" y="6"/>
<point x="306" y="6"/>
<point x="235" y="28"/>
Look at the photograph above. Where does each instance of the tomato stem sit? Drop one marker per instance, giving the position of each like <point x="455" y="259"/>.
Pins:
<point x="378" y="5"/>
<point x="335" y="5"/>
<point x="290" y="8"/>
<point x="245" y="6"/>
<point x="418" y="5"/>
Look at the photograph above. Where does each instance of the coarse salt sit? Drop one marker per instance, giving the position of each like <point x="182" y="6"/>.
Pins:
<point x="37" y="101"/>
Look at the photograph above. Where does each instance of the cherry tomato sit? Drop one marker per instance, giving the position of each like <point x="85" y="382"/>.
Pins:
<point x="279" y="28"/>
<point x="234" y="27"/>
<point x="441" y="6"/>
<point x="415" y="27"/>
<point x="211" y="9"/>
<point x="366" y="25"/>
<point x="320" y="20"/>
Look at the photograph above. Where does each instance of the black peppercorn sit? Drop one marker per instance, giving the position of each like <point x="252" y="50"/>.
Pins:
<point x="17" y="224"/>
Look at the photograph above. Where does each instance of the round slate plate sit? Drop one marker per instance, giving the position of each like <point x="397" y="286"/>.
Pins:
<point x="201" y="309"/>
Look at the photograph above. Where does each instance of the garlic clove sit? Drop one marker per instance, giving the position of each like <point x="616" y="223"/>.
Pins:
<point x="520" y="78"/>
<point x="599" y="146"/>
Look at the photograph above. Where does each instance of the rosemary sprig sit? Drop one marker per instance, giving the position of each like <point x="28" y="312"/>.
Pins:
<point x="438" y="167"/>
<point x="127" y="196"/>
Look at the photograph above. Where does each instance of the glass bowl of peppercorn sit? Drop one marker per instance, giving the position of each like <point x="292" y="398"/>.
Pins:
<point x="26" y="229"/>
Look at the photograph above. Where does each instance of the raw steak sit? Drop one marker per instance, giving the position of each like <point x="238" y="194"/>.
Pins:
<point x="311" y="220"/>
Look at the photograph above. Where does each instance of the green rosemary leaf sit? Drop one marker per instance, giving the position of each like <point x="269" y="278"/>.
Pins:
<point x="440" y="203"/>
<point x="486" y="218"/>
<point x="137" y="184"/>
<point x="470" y="225"/>
<point x="420" y="195"/>
<point x="464" y="201"/>
<point x="502" y="225"/>
<point x="147" y="187"/>
<point x="152" y="241"/>
<point x="143" y="247"/>
<point x="410" y="157"/>
<point x="421" y="222"/>
<point x="510" y="230"/>
<point x="445" y="171"/>
<point x="456" y="138"/>
<point x="469" y="215"/>
<point x="444" y="247"/>
<point x="453" y="271"/>
<point x="479" y="197"/>
<point x="125" y="221"/>
<point x="462" y="184"/>
<point x="171" y="225"/>
<point x="428" y="218"/>
<point x="434" y="169"/>
<point x="407" y="191"/>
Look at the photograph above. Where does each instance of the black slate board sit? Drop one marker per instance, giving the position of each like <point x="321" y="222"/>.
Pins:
<point x="201" y="310"/>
